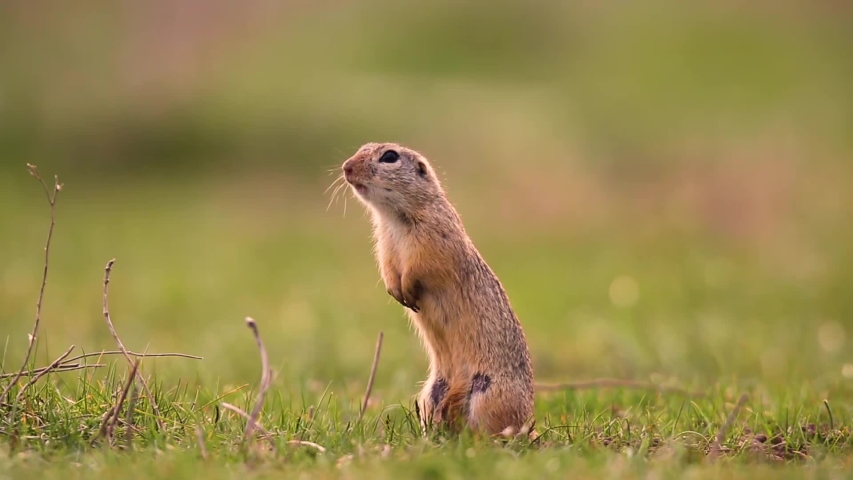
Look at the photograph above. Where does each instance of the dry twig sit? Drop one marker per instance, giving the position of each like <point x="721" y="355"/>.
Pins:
<point x="266" y="380"/>
<point x="199" y="435"/>
<point x="132" y="354"/>
<point x="372" y="376"/>
<point x="128" y="419"/>
<point x="111" y="415"/>
<point x="305" y="443"/>
<point x="47" y="370"/>
<point x="267" y="434"/>
<point x="63" y="367"/>
<point x="245" y="415"/>
<point x="122" y="398"/>
<point x="615" y="383"/>
<point x="716" y="447"/>
<point x="70" y="364"/>
<point x="105" y="421"/>
<point x="114" y="420"/>
<point x="32" y="338"/>
<point x="124" y="351"/>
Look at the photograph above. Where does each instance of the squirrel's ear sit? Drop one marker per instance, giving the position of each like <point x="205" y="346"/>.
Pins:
<point x="422" y="171"/>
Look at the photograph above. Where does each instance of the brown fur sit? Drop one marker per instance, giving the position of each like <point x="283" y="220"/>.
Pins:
<point x="480" y="369"/>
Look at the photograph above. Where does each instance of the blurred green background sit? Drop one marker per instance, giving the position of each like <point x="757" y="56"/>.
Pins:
<point x="663" y="187"/>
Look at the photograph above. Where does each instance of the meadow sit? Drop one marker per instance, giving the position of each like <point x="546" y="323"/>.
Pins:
<point x="664" y="193"/>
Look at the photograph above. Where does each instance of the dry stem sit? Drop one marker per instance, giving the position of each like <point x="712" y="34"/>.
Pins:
<point x="267" y="433"/>
<point x="105" y="419"/>
<point x="52" y="201"/>
<point x="124" y="351"/>
<point x="113" y="412"/>
<point x="67" y="365"/>
<point x="245" y="415"/>
<point x="266" y="380"/>
<point x="128" y="419"/>
<point x="615" y="383"/>
<point x="319" y="447"/>
<point x="133" y="354"/>
<point x="114" y="420"/>
<point x="199" y="435"/>
<point x="44" y="372"/>
<point x="372" y="376"/>
<point x="63" y="367"/>
<point x="716" y="447"/>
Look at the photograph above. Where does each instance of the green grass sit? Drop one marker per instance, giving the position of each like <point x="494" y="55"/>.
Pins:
<point x="663" y="190"/>
<point x="703" y="313"/>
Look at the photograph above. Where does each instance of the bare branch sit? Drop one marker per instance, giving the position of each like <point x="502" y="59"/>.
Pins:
<point x="269" y="436"/>
<point x="32" y="338"/>
<point x="105" y="421"/>
<point x="44" y="372"/>
<point x="109" y="418"/>
<point x="112" y="425"/>
<point x="245" y="415"/>
<point x="199" y="435"/>
<point x="133" y="354"/>
<point x="305" y="443"/>
<point x="266" y="380"/>
<point x="615" y="383"/>
<point x="716" y="447"/>
<point x="63" y="367"/>
<point x="372" y="376"/>
<point x="70" y="364"/>
<point x="128" y="419"/>
<point x="124" y="351"/>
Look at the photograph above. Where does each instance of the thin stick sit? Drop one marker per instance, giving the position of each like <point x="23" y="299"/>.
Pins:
<point x="63" y="367"/>
<point x="67" y="364"/>
<point x="47" y="370"/>
<point x="128" y="419"/>
<point x="245" y="415"/>
<point x="372" y="376"/>
<point x="105" y="420"/>
<point x="133" y="354"/>
<point x="614" y="383"/>
<point x="267" y="433"/>
<point x="148" y="393"/>
<point x="32" y="338"/>
<point x="266" y="379"/>
<point x="305" y="443"/>
<point x="112" y="425"/>
<point x="199" y="435"/>
<point x="716" y="447"/>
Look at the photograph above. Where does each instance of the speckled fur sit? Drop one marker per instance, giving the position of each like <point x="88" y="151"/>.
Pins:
<point x="479" y="360"/>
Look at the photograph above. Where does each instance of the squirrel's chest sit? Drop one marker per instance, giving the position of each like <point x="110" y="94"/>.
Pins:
<point x="400" y="247"/>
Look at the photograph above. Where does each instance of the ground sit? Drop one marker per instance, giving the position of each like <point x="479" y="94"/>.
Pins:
<point x="663" y="190"/>
<point x="695" y="328"/>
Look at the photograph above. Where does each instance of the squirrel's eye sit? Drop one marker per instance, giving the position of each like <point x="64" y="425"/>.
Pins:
<point x="389" y="157"/>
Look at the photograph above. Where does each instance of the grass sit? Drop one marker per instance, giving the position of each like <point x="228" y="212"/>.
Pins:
<point x="796" y="413"/>
<point x="664" y="193"/>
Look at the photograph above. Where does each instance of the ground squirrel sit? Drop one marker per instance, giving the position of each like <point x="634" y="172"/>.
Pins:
<point x="480" y="373"/>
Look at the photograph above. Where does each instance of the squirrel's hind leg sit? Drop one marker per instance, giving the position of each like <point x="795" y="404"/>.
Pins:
<point x="495" y="406"/>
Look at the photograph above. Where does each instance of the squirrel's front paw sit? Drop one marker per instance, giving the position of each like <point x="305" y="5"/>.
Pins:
<point x="412" y="292"/>
<point x="402" y="299"/>
<point x="412" y="303"/>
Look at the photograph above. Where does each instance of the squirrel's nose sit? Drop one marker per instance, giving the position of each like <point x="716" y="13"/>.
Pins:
<point x="347" y="168"/>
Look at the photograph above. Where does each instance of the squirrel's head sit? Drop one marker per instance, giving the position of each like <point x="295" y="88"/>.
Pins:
<point x="391" y="178"/>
